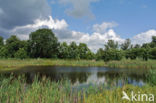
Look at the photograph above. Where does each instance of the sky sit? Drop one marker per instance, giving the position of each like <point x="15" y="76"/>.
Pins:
<point x="93" y="22"/>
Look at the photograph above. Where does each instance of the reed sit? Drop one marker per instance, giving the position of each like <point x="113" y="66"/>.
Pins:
<point x="17" y="90"/>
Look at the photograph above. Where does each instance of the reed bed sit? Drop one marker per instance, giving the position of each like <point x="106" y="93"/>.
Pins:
<point x="17" y="90"/>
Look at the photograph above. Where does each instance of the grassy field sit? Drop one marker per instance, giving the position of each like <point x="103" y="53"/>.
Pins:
<point x="16" y="90"/>
<point x="7" y="64"/>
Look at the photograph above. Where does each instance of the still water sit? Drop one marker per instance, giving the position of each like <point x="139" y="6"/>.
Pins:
<point x="85" y="76"/>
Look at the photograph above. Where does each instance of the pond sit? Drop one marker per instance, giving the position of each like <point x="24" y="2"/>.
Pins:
<point x="85" y="76"/>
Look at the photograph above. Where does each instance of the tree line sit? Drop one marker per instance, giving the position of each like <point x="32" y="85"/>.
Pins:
<point x="44" y="44"/>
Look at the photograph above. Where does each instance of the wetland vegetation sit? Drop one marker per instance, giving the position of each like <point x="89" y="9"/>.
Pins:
<point x="43" y="70"/>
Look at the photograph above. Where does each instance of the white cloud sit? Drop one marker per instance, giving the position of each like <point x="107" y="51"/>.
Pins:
<point x="23" y="31"/>
<point x="144" y="37"/>
<point x="79" y="8"/>
<point x="94" y="40"/>
<point x="101" y="28"/>
<point x="50" y="23"/>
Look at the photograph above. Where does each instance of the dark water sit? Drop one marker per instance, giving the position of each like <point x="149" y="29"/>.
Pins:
<point x="84" y="76"/>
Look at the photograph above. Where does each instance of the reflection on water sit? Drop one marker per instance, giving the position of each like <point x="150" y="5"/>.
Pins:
<point x="83" y="76"/>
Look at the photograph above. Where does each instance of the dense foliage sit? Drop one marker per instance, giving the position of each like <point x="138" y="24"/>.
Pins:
<point x="44" y="44"/>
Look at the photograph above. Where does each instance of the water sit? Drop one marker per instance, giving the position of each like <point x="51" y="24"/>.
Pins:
<point x="85" y="76"/>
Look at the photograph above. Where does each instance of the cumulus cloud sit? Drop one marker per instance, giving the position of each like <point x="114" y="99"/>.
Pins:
<point x="101" y="28"/>
<point x="21" y="12"/>
<point x="144" y="37"/>
<point x="94" y="40"/>
<point x="79" y="8"/>
<point x="24" y="31"/>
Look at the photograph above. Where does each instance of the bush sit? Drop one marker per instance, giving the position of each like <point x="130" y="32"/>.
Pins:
<point x="21" y="54"/>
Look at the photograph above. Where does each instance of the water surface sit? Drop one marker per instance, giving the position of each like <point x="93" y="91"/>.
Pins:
<point x="85" y="76"/>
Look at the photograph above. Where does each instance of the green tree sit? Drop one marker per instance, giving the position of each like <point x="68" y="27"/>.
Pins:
<point x="152" y="53"/>
<point x="153" y="43"/>
<point x="137" y="46"/>
<point x="63" y="51"/>
<point x="90" y="55"/>
<point x="112" y="54"/>
<point x="21" y="54"/>
<point x="111" y="44"/>
<point x="3" y="52"/>
<point x="73" y="51"/>
<point x="1" y="41"/>
<point x="99" y="54"/>
<point x="83" y="50"/>
<point x="154" y="39"/>
<point x="12" y="45"/>
<point x="43" y="44"/>
<point x="126" y="44"/>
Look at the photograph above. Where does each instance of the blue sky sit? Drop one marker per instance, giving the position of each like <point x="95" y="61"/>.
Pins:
<point x="132" y="16"/>
<point x="93" y="22"/>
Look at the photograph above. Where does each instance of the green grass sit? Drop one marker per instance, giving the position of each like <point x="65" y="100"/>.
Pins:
<point x="7" y="64"/>
<point x="16" y="90"/>
<point x="135" y="64"/>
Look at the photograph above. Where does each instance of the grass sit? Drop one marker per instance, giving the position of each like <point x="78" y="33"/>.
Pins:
<point x="135" y="64"/>
<point x="7" y="64"/>
<point x="16" y="90"/>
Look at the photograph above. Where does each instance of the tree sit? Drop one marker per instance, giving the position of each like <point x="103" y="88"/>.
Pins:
<point x="63" y="51"/>
<point x="154" y="39"/>
<point x="137" y="46"/>
<point x="73" y="51"/>
<point x="99" y="54"/>
<point x="111" y="44"/>
<point x="145" y="54"/>
<point x="126" y="44"/>
<point x="112" y="54"/>
<point x="3" y="52"/>
<point x="153" y="53"/>
<point x="21" y="54"/>
<point x="90" y="55"/>
<point x="1" y="41"/>
<point x="43" y="44"/>
<point x="83" y="50"/>
<point x="12" y="45"/>
<point x="153" y="43"/>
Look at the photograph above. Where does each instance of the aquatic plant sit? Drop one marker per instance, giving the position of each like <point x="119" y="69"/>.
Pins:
<point x="17" y="90"/>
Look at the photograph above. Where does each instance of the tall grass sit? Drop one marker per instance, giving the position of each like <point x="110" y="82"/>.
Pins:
<point x="134" y="64"/>
<point x="151" y="77"/>
<point x="17" y="90"/>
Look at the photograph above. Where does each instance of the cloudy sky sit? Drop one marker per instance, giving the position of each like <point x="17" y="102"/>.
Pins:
<point x="89" y="21"/>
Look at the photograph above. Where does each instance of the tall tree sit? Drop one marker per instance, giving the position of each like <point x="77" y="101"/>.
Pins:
<point x="12" y="45"/>
<point x="83" y="50"/>
<point x="126" y="44"/>
<point x="111" y="44"/>
<point x="1" y="41"/>
<point x="43" y="44"/>
<point x="154" y="39"/>
<point x="73" y="51"/>
<point x="63" y="51"/>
